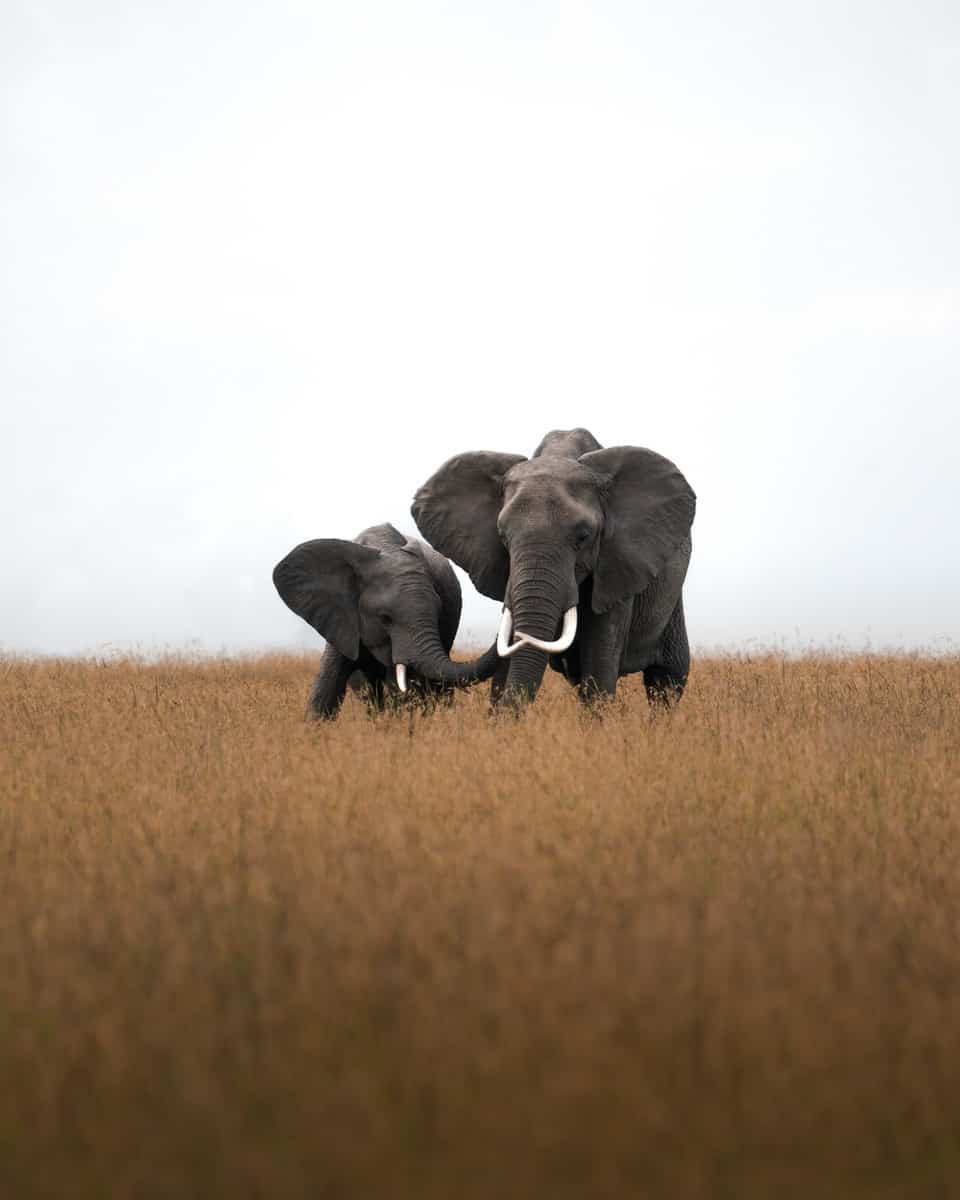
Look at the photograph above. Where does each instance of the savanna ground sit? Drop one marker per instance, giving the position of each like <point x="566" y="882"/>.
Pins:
<point x="709" y="954"/>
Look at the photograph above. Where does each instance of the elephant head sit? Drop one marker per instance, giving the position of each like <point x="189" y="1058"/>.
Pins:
<point x="529" y="532"/>
<point x="398" y="603"/>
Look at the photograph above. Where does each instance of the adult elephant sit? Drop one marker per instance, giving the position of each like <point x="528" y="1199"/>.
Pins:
<point x="587" y="547"/>
<point x="388" y="607"/>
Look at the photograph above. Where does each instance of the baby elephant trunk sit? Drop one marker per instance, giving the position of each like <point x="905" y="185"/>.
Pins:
<point x="434" y="665"/>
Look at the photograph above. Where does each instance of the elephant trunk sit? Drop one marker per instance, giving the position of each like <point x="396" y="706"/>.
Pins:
<point x="542" y="592"/>
<point x="432" y="663"/>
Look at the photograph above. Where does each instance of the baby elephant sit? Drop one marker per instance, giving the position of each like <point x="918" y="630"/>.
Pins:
<point x="388" y="607"/>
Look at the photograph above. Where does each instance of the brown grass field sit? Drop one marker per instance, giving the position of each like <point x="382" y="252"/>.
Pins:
<point x="713" y="953"/>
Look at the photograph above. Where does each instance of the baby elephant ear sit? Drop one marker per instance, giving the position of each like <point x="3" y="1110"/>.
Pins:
<point x="649" y="511"/>
<point x="456" y="510"/>
<point x="320" y="581"/>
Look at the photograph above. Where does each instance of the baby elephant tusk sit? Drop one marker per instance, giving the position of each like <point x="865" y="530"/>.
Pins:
<point x="563" y="642"/>
<point x="401" y="677"/>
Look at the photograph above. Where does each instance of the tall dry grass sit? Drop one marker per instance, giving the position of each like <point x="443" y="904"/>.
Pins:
<point x="712" y="954"/>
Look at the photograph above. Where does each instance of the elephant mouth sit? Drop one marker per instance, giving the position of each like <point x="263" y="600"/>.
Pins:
<point x="567" y="633"/>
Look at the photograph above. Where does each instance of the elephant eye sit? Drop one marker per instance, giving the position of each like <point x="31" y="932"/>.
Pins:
<point x="582" y="534"/>
<point x="385" y="618"/>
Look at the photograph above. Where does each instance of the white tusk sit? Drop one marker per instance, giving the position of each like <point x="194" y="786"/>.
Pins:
<point x="504" y="649"/>
<point x="563" y="642"/>
<point x="503" y="633"/>
<point x="401" y="677"/>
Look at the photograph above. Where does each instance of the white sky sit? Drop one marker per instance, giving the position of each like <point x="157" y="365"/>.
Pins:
<point x="266" y="267"/>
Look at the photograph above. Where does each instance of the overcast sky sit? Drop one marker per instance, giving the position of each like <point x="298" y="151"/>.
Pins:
<point x="266" y="267"/>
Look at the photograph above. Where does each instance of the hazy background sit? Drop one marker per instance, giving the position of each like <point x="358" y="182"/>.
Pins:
<point x="265" y="268"/>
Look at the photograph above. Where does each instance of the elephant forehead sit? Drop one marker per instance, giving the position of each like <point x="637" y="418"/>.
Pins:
<point x="403" y="564"/>
<point x="405" y="578"/>
<point x="552" y="478"/>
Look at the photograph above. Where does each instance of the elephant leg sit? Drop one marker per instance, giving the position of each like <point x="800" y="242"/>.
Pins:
<point x="499" y="681"/>
<point x="370" y="688"/>
<point x="601" y="644"/>
<point x="568" y="664"/>
<point x="375" y="696"/>
<point x="666" y="679"/>
<point x="330" y="685"/>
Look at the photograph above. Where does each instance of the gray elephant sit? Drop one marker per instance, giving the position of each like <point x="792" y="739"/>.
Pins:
<point x="587" y="547"/>
<point x="388" y="607"/>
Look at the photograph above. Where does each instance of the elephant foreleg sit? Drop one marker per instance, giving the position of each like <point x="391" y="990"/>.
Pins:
<point x="330" y="685"/>
<point x="664" y="687"/>
<point x="601" y="644"/>
<point x="498" y="681"/>
<point x="665" y="680"/>
<point x="372" y="690"/>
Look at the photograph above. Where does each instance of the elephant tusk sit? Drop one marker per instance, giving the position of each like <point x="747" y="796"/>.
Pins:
<point x="504" y="649"/>
<point x="563" y="642"/>
<point x="503" y="633"/>
<point x="401" y="676"/>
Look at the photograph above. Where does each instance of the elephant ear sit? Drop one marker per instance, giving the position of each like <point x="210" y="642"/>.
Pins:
<point x="649" y="511"/>
<point x="320" y="581"/>
<point x="456" y="510"/>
